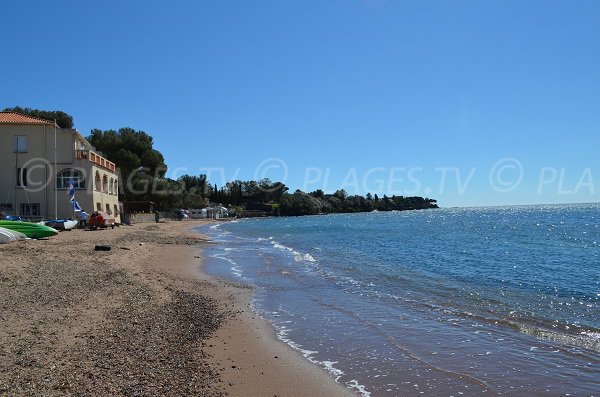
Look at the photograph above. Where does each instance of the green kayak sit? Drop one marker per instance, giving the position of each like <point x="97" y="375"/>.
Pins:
<point x="31" y="230"/>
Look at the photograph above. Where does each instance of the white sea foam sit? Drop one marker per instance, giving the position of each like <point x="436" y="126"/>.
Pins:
<point x="281" y="246"/>
<point x="283" y="335"/>
<point x="353" y="384"/>
<point x="298" y="256"/>
<point x="235" y="269"/>
<point x="329" y="366"/>
<point x="594" y="335"/>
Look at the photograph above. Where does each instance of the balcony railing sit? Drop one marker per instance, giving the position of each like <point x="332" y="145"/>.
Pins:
<point x="96" y="159"/>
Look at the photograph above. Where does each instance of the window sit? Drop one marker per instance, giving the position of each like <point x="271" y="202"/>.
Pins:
<point x="116" y="188"/>
<point x="110" y="186"/>
<point x="98" y="207"/>
<point x="20" y="144"/>
<point x="32" y="209"/>
<point x="21" y="177"/>
<point x="105" y="184"/>
<point x="116" y="210"/>
<point x="68" y="174"/>
<point x="108" y="211"/>
<point x="97" y="183"/>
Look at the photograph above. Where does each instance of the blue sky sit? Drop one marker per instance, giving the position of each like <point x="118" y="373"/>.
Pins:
<point x="469" y="102"/>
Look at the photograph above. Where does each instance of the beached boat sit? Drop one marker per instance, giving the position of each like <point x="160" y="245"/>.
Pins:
<point x="61" y="224"/>
<point x="7" y="235"/>
<point x="31" y="230"/>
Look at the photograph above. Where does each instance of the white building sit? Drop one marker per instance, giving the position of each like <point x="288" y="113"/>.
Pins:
<point x="39" y="160"/>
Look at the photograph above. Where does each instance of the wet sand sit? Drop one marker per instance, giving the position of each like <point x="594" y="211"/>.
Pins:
<point x="140" y="319"/>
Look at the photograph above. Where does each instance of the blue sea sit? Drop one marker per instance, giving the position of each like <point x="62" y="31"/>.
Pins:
<point x="447" y="302"/>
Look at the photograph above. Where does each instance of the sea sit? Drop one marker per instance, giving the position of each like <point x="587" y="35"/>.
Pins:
<point x="500" y="301"/>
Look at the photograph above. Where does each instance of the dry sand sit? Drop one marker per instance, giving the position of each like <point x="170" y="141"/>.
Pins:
<point x="139" y="320"/>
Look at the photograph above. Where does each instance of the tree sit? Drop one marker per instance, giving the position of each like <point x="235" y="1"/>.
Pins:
<point x="133" y="153"/>
<point x="203" y="185"/>
<point x="63" y="120"/>
<point x="318" y="194"/>
<point x="234" y="190"/>
<point x="335" y="203"/>
<point x="340" y="194"/>
<point x="195" y="184"/>
<point x="270" y="191"/>
<point x="129" y="149"/>
<point x="300" y="203"/>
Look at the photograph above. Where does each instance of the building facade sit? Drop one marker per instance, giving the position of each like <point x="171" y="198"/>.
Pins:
<point x="39" y="160"/>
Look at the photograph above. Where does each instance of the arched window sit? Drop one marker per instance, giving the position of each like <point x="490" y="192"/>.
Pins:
<point x="116" y="189"/>
<point x="98" y="181"/>
<point x="110" y="186"/>
<point x="105" y="184"/>
<point x="65" y="176"/>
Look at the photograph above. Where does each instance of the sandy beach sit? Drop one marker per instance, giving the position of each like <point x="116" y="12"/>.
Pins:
<point x="140" y="319"/>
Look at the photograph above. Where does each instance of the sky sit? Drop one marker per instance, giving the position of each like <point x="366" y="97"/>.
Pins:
<point x="472" y="103"/>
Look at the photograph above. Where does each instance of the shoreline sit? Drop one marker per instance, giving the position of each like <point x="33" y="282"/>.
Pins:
<point x="141" y="319"/>
<point x="253" y="361"/>
<point x="403" y="331"/>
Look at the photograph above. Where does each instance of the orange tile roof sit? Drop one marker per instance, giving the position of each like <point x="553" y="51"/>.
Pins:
<point x="18" y="118"/>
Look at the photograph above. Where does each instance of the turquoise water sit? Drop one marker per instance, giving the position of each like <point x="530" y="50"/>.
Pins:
<point x="480" y="301"/>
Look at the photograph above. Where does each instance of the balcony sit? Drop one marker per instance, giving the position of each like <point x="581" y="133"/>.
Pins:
<point x="96" y="159"/>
